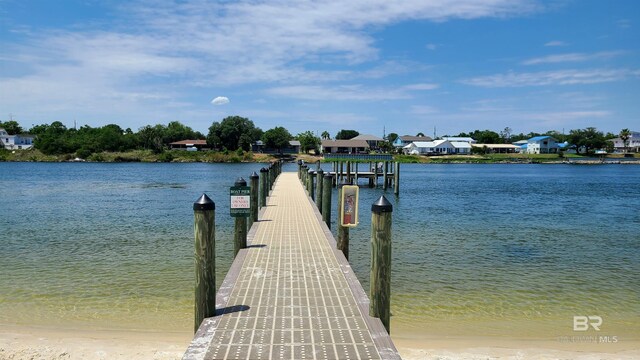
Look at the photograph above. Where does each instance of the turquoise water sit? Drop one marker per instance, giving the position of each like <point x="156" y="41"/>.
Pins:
<point x="505" y="250"/>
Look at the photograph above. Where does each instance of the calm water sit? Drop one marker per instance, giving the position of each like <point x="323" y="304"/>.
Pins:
<point x="504" y="250"/>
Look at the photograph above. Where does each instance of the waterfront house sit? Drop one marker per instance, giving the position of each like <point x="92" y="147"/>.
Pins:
<point x="542" y="145"/>
<point x="373" y="141"/>
<point x="260" y="147"/>
<point x="344" y="146"/>
<point x="498" y="148"/>
<point x="402" y="141"/>
<point x="633" y="143"/>
<point x="16" y="142"/>
<point x="437" y="147"/>
<point x="191" y="145"/>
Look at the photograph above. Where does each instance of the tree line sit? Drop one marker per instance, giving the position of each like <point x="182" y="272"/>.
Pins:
<point x="236" y="133"/>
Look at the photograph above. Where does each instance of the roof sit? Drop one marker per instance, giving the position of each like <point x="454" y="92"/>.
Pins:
<point x="540" y="138"/>
<point x="367" y="137"/>
<point x="189" y="142"/>
<point x="294" y="143"/>
<point x="410" y="138"/>
<point x="458" y="138"/>
<point x="461" y="144"/>
<point x="344" y="143"/>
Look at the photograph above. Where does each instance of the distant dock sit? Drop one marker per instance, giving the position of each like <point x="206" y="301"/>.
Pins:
<point x="291" y="294"/>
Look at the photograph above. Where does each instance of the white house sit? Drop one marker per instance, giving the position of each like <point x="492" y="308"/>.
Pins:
<point x="16" y="142"/>
<point x="437" y="147"/>
<point x="542" y="145"/>
<point x="633" y="144"/>
<point x="404" y="140"/>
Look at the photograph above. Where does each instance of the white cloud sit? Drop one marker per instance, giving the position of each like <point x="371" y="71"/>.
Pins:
<point x="421" y="87"/>
<point x="220" y="100"/>
<point x="339" y="93"/>
<point x="431" y="46"/>
<point x="556" y="43"/>
<point x="559" y="77"/>
<point x="624" y="23"/>
<point x="572" y="57"/>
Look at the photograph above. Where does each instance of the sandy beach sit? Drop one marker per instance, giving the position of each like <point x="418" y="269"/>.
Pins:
<point x="41" y="343"/>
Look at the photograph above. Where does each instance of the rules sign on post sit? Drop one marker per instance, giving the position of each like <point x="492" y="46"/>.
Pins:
<point x="240" y="201"/>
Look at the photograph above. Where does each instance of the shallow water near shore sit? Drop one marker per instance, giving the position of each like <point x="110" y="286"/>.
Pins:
<point x="510" y="251"/>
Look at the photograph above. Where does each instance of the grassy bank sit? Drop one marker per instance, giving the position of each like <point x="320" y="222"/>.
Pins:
<point x="34" y="155"/>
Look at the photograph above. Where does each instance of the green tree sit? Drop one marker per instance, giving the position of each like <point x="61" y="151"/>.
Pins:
<point x="150" y="138"/>
<point x="276" y="138"/>
<point x="484" y="136"/>
<point x="325" y="135"/>
<point x="506" y="135"/>
<point x="588" y="139"/>
<point x="392" y="137"/>
<point x="308" y="141"/>
<point x="175" y="131"/>
<point x="346" y="134"/>
<point x="11" y="127"/>
<point x="232" y="133"/>
<point x="625" y="134"/>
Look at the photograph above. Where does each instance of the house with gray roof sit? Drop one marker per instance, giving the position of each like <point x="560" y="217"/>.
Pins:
<point x="344" y="146"/>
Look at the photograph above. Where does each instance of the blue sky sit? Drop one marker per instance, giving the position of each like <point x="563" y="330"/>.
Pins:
<point x="406" y="66"/>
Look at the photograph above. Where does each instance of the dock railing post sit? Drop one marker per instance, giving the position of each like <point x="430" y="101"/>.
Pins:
<point x="255" y="191"/>
<point x="300" y="169"/>
<point x="240" y="234"/>
<point x="263" y="187"/>
<point x="384" y="175"/>
<point x="380" y="280"/>
<point x="204" y="227"/>
<point x="327" y="186"/>
<point x="342" y="242"/>
<point x="319" y="185"/>
<point x="349" y="172"/>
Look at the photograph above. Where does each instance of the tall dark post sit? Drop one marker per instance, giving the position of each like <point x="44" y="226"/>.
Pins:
<point x="240" y="234"/>
<point x="327" y="185"/>
<point x="263" y="187"/>
<point x="380" y="290"/>
<point x="356" y="171"/>
<point x="204" y="227"/>
<point x="300" y="169"/>
<point x="349" y="173"/>
<point x="255" y="191"/>
<point x="343" y="232"/>
<point x="396" y="179"/>
<point x="319" y="185"/>
<point x="310" y="183"/>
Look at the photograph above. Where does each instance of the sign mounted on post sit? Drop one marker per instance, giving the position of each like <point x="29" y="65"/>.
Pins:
<point x="240" y="201"/>
<point x="349" y="208"/>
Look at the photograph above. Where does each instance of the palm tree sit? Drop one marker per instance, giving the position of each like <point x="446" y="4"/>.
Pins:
<point x="325" y="135"/>
<point x="625" y="134"/>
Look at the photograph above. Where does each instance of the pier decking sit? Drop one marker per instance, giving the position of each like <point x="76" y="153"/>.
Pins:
<point x="291" y="294"/>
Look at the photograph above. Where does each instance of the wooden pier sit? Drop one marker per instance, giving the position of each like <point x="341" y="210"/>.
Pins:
<point x="291" y="294"/>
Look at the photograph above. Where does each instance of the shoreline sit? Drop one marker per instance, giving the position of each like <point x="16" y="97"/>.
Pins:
<point x="39" y="342"/>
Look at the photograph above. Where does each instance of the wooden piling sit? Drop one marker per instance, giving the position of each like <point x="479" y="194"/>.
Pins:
<point x="380" y="280"/>
<point x="319" y="185"/>
<point x="255" y="193"/>
<point x="342" y="243"/>
<point x="263" y="187"/>
<point x="240" y="233"/>
<point x="204" y="227"/>
<point x="327" y="185"/>
<point x="396" y="179"/>
<point x="349" y="172"/>
<point x="311" y="187"/>
<point x="384" y="175"/>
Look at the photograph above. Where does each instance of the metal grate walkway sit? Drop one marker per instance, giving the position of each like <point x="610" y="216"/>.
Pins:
<point x="291" y="295"/>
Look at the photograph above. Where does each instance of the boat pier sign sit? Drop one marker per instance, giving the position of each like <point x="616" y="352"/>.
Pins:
<point x="349" y="208"/>
<point x="240" y="201"/>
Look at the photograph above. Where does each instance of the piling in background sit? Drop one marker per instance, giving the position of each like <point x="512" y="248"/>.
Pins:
<point x="300" y="169"/>
<point x="263" y="187"/>
<point x="380" y="290"/>
<point x="384" y="175"/>
<point x="319" y="185"/>
<point x="349" y="173"/>
<point x="204" y="227"/>
<point x="240" y="234"/>
<point x="342" y="243"/>
<point x="327" y="185"/>
<point x="396" y="179"/>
